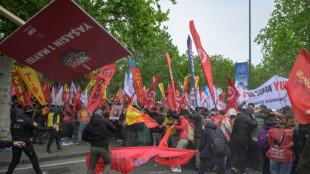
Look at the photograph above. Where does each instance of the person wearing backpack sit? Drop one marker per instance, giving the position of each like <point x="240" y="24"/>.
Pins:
<point x="182" y="126"/>
<point x="213" y="148"/>
<point x="280" y="151"/>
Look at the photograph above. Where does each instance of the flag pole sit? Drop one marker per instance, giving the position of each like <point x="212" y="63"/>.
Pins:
<point x="11" y="16"/>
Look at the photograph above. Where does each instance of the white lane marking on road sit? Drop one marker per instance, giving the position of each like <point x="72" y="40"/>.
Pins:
<point x="46" y="165"/>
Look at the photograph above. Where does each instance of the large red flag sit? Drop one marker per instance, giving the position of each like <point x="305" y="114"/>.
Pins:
<point x="204" y="58"/>
<point x="173" y="97"/>
<point x="95" y="98"/>
<point x="169" y="103"/>
<point x="47" y="92"/>
<point x="137" y="83"/>
<point x="232" y="95"/>
<point x="107" y="73"/>
<point x="150" y="94"/>
<point x="298" y="87"/>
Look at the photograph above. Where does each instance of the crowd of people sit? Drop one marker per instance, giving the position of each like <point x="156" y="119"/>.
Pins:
<point x="267" y="140"/>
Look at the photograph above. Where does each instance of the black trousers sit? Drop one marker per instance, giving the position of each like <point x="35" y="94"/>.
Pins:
<point x="39" y="136"/>
<point x="53" y="135"/>
<point x="29" y="151"/>
<point x="255" y="155"/>
<point x="238" y="153"/>
<point x="266" y="164"/>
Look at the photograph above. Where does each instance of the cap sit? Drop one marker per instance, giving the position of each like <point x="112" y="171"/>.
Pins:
<point x="28" y="108"/>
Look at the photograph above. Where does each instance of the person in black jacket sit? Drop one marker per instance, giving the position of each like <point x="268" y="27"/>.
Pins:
<point x="21" y="129"/>
<point x="206" y="155"/>
<point x="157" y="132"/>
<point x="96" y="132"/>
<point x="239" y="139"/>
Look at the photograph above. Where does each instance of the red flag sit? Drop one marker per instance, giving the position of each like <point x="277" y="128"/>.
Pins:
<point x="95" y="98"/>
<point x="107" y="73"/>
<point x="47" y="92"/>
<point x="232" y="95"/>
<point x="77" y="103"/>
<point x="186" y="85"/>
<point x="137" y="83"/>
<point x="118" y="95"/>
<point x="65" y="94"/>
<point x="149" y="122"/>
<point x="13" y="92"/>
<point x="169" y="103"/>
<point x="298" y="87"/>
<point x="150" y="94"/>
<point x="204" y="58"/>
<point x="153" y="79"/>
<point x="173" y="97"/>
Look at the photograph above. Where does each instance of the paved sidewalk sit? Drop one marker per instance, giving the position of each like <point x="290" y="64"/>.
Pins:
<point x="69" y="151"/>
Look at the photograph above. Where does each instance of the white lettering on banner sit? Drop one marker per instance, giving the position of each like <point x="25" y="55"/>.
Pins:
<point x="277" y="153"/>
<point x="272" y="94"/>
<point x="72" y="34"/>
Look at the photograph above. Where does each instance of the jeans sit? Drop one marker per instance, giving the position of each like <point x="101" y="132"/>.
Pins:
<point x="95" y="154"/>
<point x="280" y="168"/>
<point x="208" y="162"/>
<point x="29" y="151"/>
<point x="81" y="128"/>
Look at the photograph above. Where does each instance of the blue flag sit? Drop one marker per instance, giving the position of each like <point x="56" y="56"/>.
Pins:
<point x="193" y="96"/>
<point x="131" y="63"/>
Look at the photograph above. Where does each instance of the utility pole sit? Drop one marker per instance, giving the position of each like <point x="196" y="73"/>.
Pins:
<point x="249" y="81"/>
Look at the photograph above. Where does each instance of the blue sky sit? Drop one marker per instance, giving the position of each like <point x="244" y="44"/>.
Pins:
<point x="223" y="25"/>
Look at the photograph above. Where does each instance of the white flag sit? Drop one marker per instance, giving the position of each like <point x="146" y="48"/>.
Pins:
<point x="129" y="90"/>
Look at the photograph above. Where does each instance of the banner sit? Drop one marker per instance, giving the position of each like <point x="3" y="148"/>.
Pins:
<point x="204" y="58"/>
<point x="173" y="96"/>
<point x="161" y="88"/>
<point x="232" y="95"/>
<point x="18" y="86"/>
<point x="77" y="45"/>
<point x="272" y="94"/>
<point x="129" y="90"/>
<point x="115" y="112"/>
<point x="107" y="73"/>
<point x="96" y="95"/>
<point x="193" y="86"/>
<point x="298" y="87"/>
<point x="137" y="82"/>
<point x="31" y="80"/>
<point x="241" y="75"/>
<point x="126" y="159"/>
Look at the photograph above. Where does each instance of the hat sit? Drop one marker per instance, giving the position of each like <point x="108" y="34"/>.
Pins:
<point x="232" y="111"/>
<point x="28" y="108"/>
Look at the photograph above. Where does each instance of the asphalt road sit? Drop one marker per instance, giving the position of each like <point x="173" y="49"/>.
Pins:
<point x="78" y="166"/>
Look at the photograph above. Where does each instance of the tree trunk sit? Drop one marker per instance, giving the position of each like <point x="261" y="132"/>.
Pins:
<point x="5" y="96"/>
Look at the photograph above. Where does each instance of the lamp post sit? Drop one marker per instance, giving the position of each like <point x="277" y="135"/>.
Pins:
<point x="249" y="81"/>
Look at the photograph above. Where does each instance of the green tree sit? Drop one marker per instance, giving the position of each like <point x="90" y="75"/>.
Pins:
<point x="287" y="31"/>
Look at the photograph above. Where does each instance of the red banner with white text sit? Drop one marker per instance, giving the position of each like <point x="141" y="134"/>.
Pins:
<point x="298" y="87"/>
<point x="94" y="100"/>
<point x="137" y="83"/>
<point x="204" y="58"/>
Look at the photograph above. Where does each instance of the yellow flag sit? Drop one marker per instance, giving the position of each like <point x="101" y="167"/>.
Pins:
<point x="161" y="87"/>
<point x="196" y="81"/>
<point x="30" y="77"/>
<point x="133" y="116"/>
<point x="90" y="84"/>
<point x="104" y="92"/>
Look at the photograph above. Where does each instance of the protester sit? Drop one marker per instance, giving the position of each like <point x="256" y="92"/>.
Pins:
<point x="157" y="132"/>
<point x="198" y="121"/>
<point x="280" y="152"/>
<point x="207" y="156"/>
<point x="181" y="125"/>
<point x="53" y="118"/>
<point x="20" y="129"/>
<point x="97" y="133"/>
<point x="169" y="121"/>
<point x="40" y="120"/>
<point x="239" y="139"/>
<point x="83" y="123"/>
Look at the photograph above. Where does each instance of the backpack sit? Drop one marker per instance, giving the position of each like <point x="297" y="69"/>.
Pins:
<point x="262" y="139"/>
<point x="190" y="132"/>
<point x="217" y="146"/>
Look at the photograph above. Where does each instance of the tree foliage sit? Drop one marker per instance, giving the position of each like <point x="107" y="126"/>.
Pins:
<point x="287" y="31"/>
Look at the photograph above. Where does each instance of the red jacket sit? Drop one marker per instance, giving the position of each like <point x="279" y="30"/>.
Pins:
<point x="281" y="143"/>
<point x="183" y="128"/>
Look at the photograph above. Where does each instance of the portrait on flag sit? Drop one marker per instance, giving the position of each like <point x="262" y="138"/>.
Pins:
<point x="115" y="112"/>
